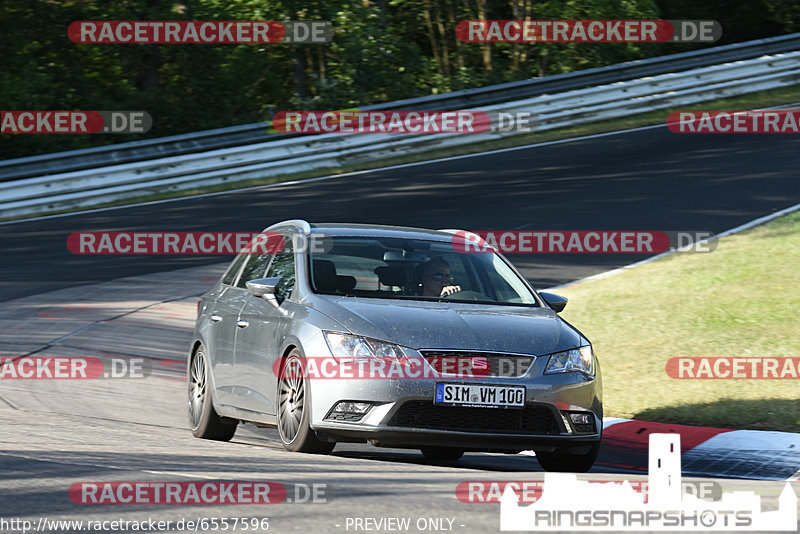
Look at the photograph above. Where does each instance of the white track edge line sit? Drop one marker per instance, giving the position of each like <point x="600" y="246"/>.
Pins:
<point x="741" y="228"/>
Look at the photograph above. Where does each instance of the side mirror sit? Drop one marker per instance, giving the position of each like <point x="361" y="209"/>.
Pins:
<point x="556" y="302"/>
<point x="263" y="287"/>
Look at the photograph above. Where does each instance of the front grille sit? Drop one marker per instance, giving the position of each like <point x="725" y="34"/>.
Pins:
<point x="491" y="364"/>
<point x="533" y="419"/>
<point x="345" y="416"/>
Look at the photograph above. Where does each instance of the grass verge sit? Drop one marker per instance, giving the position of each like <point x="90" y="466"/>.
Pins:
<point x="741" y="300"/>
<point x="774" y="97"/>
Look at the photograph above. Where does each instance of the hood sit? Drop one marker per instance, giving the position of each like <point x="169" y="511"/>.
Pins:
<point x="452" y="325"/>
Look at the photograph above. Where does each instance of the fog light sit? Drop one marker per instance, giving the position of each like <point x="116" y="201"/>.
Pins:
<point x="581" y="418"/>
<point x="352" y="407"/>
<point x="566" y="423"/>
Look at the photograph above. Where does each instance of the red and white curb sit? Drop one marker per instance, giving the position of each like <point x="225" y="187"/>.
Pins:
<point x="705" y="451"/>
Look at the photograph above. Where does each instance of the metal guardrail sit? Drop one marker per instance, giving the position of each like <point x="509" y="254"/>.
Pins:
<point x="331" y="151"/>
<point x="206" y="140"/>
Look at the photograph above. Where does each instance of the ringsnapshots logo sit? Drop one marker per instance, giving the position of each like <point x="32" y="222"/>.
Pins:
<point x="569" y="504"/>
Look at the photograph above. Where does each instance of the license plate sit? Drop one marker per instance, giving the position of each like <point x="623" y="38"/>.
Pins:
<point x="480" y="396"/>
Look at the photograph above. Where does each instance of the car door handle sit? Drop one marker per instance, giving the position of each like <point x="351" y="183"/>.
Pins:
<point x="216" y="318"/>
<point x="242" y="323"/>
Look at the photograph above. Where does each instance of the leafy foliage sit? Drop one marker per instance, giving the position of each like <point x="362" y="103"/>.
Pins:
<point x="382" y="50"/>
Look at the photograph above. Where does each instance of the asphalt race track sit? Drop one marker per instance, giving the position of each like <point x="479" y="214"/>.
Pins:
<point x="641" y="180"/>
<point x="56" y="433"/>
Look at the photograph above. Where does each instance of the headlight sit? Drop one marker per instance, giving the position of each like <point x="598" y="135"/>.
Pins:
<point x="346" y="347"/>
<point x="580" y="359"/>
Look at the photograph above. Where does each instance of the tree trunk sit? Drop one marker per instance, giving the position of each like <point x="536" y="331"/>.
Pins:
<point x="299" y="63"/>
<point x="445" y="55"/>
<point x="486" y="48"/>
<point x="148" y="76"/>
<point x="382" y="14"/>
<point x="323" y="71"/>
<point x="310" y="66"/>
<point x="459" y="50"/>
<point x="515" y="5"/>
<point x="426" y="13"/>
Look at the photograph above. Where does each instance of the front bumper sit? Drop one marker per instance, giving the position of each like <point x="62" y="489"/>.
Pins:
<point x="403" y="414"/>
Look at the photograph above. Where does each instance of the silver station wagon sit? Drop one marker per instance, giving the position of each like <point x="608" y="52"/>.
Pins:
<point x="396" y="336"/>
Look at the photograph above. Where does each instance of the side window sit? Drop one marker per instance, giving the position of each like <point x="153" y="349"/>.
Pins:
<point x="503" y="292"/>
<point x="458" y="270"/>
<point x="233" y="270"/>
<point x="283" y="266"/>
<point x="254" y="268"/>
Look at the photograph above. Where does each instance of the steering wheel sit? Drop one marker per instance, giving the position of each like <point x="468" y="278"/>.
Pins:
<point x="467" y="295"/>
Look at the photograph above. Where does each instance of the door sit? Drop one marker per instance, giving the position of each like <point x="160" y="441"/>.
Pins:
<point x="227" y="325"/>
<point x="219" y="330"/>
<point x="259" y="337"/>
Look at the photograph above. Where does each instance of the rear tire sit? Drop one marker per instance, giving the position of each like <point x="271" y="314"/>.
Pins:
<point x="442" y="454"/>
<point x="561" y="462"/>
<point x="294" y="409"/>
<point x="203" y="418"/>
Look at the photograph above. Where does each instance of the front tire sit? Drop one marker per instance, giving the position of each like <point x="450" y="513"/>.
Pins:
<point x="203" y="419"/>
<point x="294" y="409"/>
<point x="561" y="462"/>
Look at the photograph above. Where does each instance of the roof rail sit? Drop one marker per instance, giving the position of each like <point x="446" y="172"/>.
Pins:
<point x="300" y="223"/>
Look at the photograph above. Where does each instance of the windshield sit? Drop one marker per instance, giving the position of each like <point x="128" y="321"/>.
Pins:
<point x="414" y="269"/>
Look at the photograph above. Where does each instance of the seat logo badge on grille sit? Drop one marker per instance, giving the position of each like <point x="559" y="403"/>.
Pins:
<point x="479" y="363"/>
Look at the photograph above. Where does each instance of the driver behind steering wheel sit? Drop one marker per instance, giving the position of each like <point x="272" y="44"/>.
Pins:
<point x="436" y="280"/>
